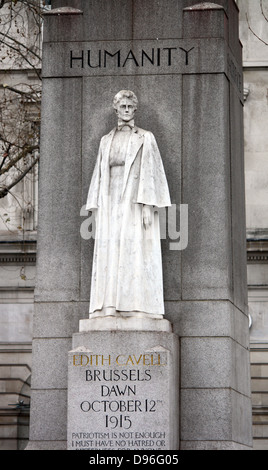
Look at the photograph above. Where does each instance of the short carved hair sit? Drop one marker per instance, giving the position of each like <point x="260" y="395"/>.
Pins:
<point x="125" y="94"/>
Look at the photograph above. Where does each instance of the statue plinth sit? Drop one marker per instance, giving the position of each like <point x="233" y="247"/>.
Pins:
<point x="123" y="385"/>
<point x="125" y="323"/>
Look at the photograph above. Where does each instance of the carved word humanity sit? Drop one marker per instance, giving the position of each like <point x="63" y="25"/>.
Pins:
<point x="157" y="56"/>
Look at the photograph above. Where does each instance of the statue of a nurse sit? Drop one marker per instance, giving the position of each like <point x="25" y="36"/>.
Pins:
<point x="127" y="187"/>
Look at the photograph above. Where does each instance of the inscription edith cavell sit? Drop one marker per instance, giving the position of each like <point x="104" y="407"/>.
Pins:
<point x="118" y="401"/>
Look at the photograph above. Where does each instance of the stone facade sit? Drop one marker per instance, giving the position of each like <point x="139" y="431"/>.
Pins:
<point x="253" y="34"/>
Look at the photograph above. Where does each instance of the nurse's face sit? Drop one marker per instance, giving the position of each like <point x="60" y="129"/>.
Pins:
<point x="125" y="109"/>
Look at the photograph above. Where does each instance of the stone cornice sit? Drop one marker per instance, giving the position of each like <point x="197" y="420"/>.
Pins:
<point x="257" y="251"/>
<point x="18" y="252"/>
<point x="18" y="258"/>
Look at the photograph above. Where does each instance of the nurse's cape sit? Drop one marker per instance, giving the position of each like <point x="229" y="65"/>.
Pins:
<point x="139" y="276"/>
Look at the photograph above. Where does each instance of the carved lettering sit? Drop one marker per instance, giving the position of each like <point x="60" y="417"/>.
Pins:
<point x="150" y="59"/>
<point x="169" y="49"/>
<point x="81" y="59"/>
<point x="97" y="59"/>
<point x="131" y="56"/>
<point x="89" y="60"/>
<point x="107" y="411"/>
<point x="112" y="55"/>
<point x="186" y="54"/>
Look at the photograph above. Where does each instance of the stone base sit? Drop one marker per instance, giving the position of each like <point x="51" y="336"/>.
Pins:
<point x="109" y="323"/>
<point x="213" y="445"/>
<point x="112" y="312"/>
<point x="123" y="388"/>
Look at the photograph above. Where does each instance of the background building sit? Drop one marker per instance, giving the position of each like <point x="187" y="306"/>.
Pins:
<point x="254" y="37"/>
<point x="20" y="87"/>
<point x="18" y="217"/>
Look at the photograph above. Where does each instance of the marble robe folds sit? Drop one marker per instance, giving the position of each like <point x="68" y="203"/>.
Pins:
<point x="139" y="285"/>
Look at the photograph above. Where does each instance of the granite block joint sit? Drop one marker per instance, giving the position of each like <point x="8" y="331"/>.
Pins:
<point x="63" y="11"/>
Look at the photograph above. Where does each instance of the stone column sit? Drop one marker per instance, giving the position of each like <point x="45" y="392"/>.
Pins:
<point x="211" y="317"/>
<point x="58" y="306"/>
<point x="184" y="63"/>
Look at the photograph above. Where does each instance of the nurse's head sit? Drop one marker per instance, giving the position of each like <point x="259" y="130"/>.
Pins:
<point x="125" y="104"/>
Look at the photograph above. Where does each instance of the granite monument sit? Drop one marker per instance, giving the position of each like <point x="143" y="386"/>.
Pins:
<point x="183" y="59"/>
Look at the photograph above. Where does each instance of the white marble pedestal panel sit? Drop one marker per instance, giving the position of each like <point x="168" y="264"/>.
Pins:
<point x="123" y="390"/>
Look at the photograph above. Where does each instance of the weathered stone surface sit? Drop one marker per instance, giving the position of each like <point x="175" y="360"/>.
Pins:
<point x="231" y="11"/>
<point x="49" y="363"/>
<point x="49" y="408"/>
<point x="58" y="259"/>
<point x="206" y="20"/>
<point x="46" y="445"/>
<point x="207" y="263"/>
<point x="126" y="19"/>
<point x="214" y="362"/>
<point x="207" y="413"/>
<point x="60" y="27"/>
<point x="208" y="319"/>
<point x="120" y="323"/>
<point x="123" y="386"/>
<point x="213" y="445"/>
<point x="238" y="211"/>
<point x="64" y="316"/>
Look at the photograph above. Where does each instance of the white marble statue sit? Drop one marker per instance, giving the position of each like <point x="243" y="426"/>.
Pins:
<point x="127" y="187"/>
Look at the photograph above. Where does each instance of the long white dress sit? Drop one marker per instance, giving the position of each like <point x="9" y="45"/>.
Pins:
<point x="127" y="262"/>
<point x="117" y="166"/>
